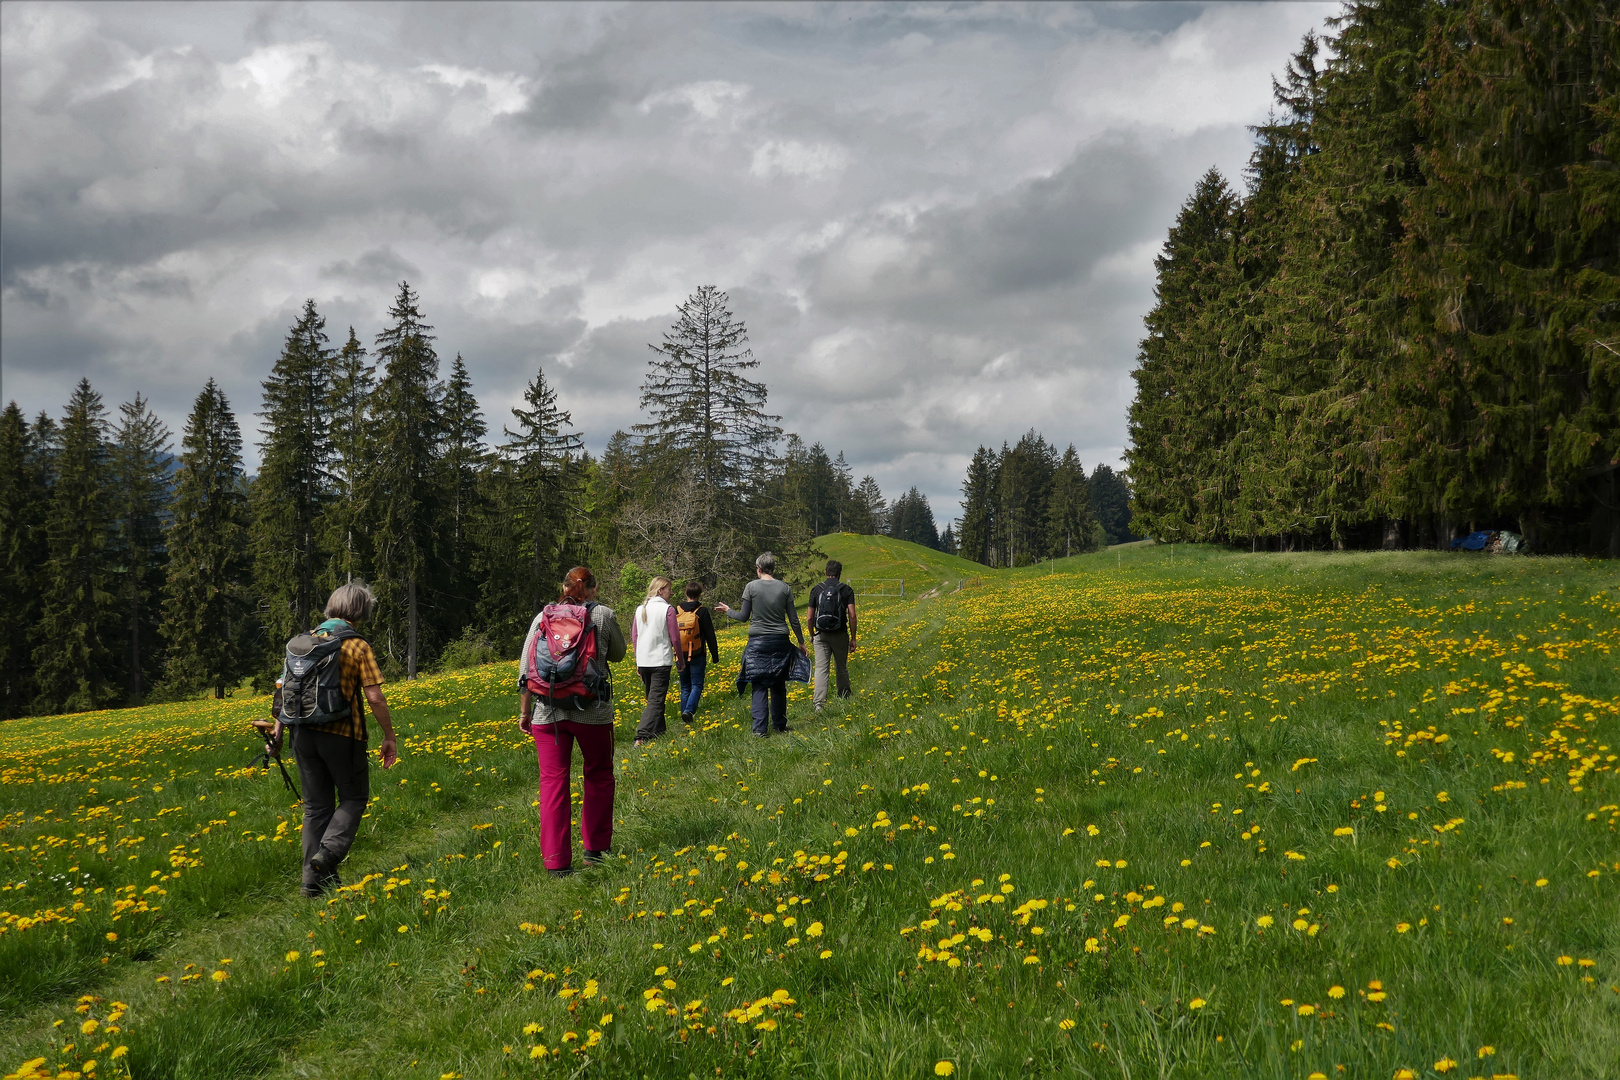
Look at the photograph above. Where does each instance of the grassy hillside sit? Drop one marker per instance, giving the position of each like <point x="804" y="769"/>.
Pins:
<point x="1146" y="812"/>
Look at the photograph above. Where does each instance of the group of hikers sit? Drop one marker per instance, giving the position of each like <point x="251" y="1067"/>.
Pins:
<point x="565" y="695"/>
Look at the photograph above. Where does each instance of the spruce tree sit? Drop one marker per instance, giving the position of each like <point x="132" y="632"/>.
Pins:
<point x="1331" y="311"/>
<point x="976" y="537"/>
<point x="1190" y="374"/>
<point x="1024" y="484"/>
<point x="140" y="467"/>
<point x="706" y="414"/>
<point x="1512" y="411"/>
<point x="844" y="488"/>
<point x="404" y="496"/>
<point x="540" y="454"/>
<point x="462" y="460"/>
<point x="911" y="518"/>
<point x="868" y="513"/>
<point x="206" y="601"/>
<point x="292" y="490"/>
<point x="348" y="405"/>
<point x="1068" y="509"/>
<point x="24" y="496"/>
<point x="1111" y="502"/>
<point x="74" y="664"/>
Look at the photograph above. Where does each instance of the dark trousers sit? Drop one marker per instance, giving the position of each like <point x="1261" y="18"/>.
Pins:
<point x="776" y="692"/>
<point x="692" y="682"/>
<point x="655" y="680"/>
<point x="336" y="778"/>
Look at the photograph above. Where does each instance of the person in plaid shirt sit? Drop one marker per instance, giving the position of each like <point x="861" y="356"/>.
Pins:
<point x="332" y="761"/>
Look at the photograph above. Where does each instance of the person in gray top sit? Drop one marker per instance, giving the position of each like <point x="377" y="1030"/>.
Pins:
<point x="767" y="662"/>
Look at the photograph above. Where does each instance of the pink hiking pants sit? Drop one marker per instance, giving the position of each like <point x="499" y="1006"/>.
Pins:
<point x="554" y="746"/>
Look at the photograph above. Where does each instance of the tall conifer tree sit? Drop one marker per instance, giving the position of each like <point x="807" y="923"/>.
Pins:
<point x="1070" y="525"/>
<point x="140" y="472"/>
<point x="976" y="537"/>
<point x="349" y="402"/>
<point x="1509" y="262"/>
<point x="206" y="599"/>
<point x="24" y="496"/>
<point x="462" y="460"/>
<point x="292" y="490"/>
<point x="1190" y="375"/>
<point x="705" y="411"/>
<point x="404" y="485"/>
<point x="540" y="454"/>
<point x="74" y="662"/>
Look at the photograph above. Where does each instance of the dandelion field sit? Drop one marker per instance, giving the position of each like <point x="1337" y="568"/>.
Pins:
<point x="1140" y="813"/>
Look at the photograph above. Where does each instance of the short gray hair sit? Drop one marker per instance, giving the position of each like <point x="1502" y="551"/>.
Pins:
<point x="766" y="562"/>
<point x="352" y="602"/>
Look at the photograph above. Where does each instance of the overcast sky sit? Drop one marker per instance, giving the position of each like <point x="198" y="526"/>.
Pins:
<point x="937" y="220"/>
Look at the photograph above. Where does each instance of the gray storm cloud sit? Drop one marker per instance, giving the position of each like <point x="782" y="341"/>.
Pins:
<point x="941" y="218"/>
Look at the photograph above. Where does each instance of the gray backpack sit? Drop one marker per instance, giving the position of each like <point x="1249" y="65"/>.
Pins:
<point x="312" y="680"/>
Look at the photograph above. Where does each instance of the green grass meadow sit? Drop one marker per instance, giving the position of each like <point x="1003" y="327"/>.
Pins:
<point x="1152" y="812"/>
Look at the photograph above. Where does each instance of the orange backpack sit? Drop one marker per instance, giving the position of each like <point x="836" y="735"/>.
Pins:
<point x="691" y="631"/>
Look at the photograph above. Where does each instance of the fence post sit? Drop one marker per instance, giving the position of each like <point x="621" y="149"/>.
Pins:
<point x="902" y="588"/>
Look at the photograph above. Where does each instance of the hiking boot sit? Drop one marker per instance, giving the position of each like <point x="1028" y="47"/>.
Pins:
<point x="561" y="871"/>
<point x="596" y="858"/>
<point x="325" y="882"/>
<point x="686" y="718"/>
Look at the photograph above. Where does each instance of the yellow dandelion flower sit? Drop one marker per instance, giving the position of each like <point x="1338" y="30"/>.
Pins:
<point x="1197" y="1003"/>
<point x="943" y="1068"/>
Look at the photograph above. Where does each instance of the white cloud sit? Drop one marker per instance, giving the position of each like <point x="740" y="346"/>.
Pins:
<point x="790" y="157"/>
<point x="941" y="218"/>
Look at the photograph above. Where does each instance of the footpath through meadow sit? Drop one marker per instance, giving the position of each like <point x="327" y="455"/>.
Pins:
<point x="1278" y="816"/>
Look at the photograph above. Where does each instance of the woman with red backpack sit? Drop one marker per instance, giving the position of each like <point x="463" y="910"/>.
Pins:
<point x="566" y="695"/>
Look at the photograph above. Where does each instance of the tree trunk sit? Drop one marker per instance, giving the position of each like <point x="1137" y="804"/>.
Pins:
<point x="410" y="641"/>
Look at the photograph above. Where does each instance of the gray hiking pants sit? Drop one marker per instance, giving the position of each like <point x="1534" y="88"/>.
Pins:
<point x="832" y="648"/>
<point x="336" y="780"/>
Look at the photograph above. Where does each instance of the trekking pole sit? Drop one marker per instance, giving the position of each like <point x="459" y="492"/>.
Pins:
<point x="272" y="752"/>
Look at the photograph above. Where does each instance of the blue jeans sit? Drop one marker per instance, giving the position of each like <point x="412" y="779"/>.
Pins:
<point x="692" y="682"/>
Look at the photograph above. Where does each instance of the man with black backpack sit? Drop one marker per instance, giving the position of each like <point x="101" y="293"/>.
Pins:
<point x="328" y="676"/>
<point x="832" y="626"/>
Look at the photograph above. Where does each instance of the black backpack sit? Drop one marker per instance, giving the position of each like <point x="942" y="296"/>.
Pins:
<point x="312" y="679"/>
<point x="830" y="618"/>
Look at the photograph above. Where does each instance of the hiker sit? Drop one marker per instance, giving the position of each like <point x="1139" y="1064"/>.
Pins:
<point x="832" y="631"/>
<point x="698" y="645"/>
<point x="769" y="660"/>
<point x="566" y="695"/>
<point x="656" y="637"/>
<point x="331" y="754"/>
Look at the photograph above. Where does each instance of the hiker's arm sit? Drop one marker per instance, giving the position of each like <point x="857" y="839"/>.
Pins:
<point x="798" y="631"/>
<point x="852" y="626"/>
<point x="710" y="638"/>
<point x="525" y="716"/>
<point x="810" y="616"/>
<point x="379" y="709"/>
<point x="740" y="614"/>
<point x="673" y="630"/>
<point x="635" y="621"/>
<point x="615" y="642"/>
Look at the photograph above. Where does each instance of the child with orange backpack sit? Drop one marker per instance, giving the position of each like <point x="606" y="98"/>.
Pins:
<point x="698" y="645"/>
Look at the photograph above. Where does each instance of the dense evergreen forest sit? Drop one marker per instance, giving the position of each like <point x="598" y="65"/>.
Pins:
<point x="130" y="572"/>
<point x="1407" y="325"/>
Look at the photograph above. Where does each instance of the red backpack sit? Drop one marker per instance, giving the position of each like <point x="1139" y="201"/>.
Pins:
<point x="560" y="664"/>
